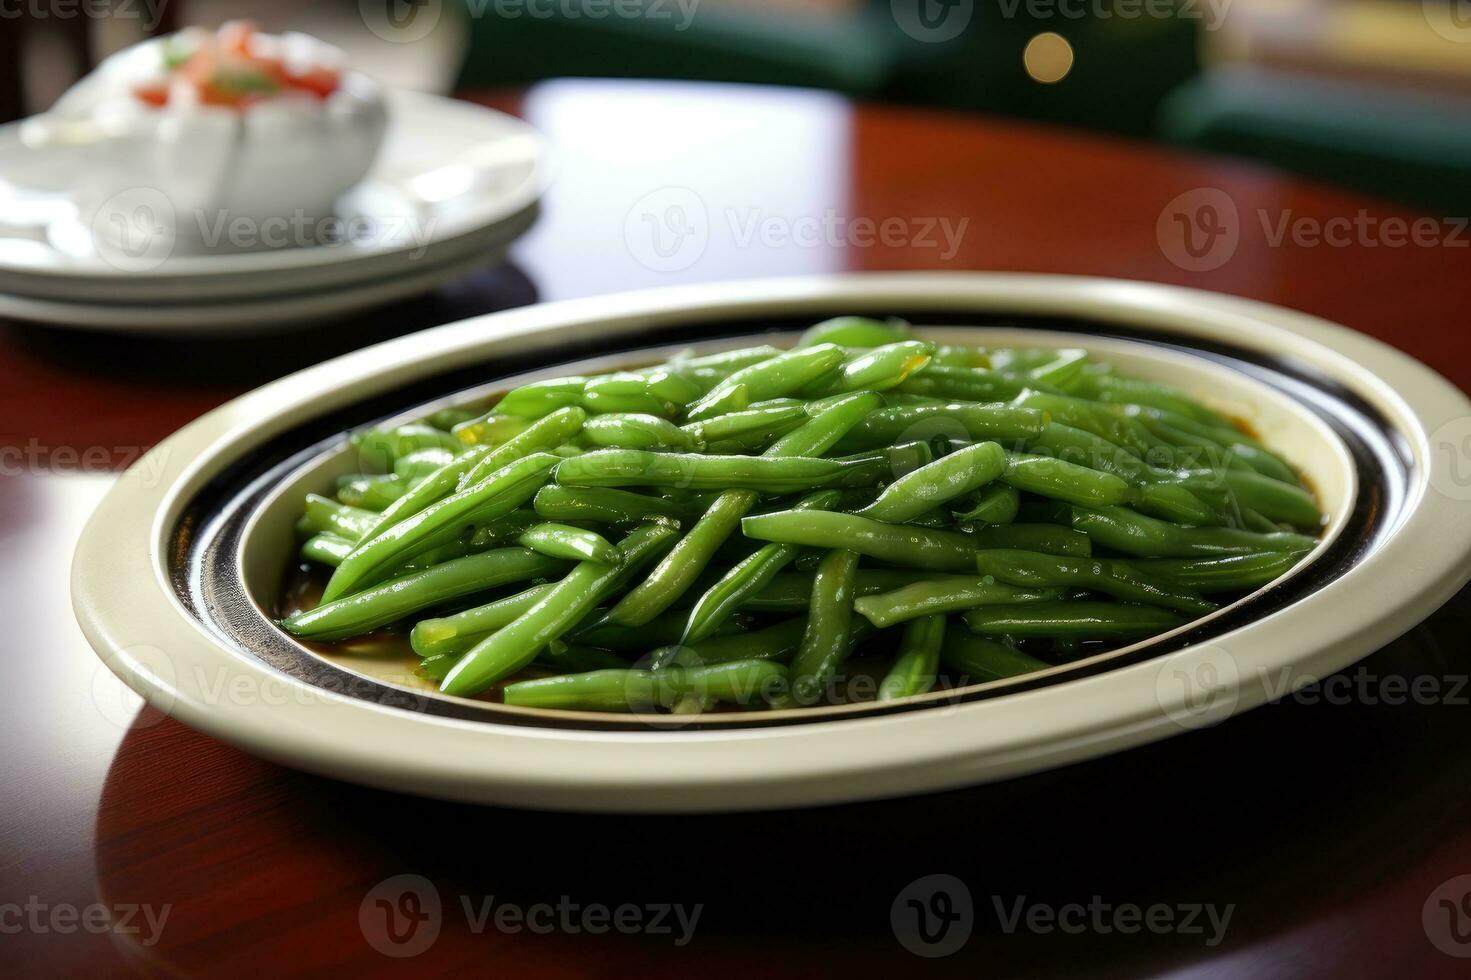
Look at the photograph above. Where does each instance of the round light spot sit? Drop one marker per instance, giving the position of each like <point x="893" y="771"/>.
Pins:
<point x="1048" y="58"/>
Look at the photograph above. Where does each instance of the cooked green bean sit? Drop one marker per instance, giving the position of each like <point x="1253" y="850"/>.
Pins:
<point x="764" y="474"/>
<point x="569" y="543"/>
<point x="997" y="503"/>
<point x="825" y="641"/>
<point x="1063" y="481"/>
<point x="1084" y="620"/>
<point x="642" y="690"/>
<point x="689" y="556"/>
<point x="636" y="431"/>
<point x="1049" y="539"/>
<point x="787" y="372"/>
<point x="326" y="549"/>
<point x="458" y="633"/>
<point x="930" y="486"/>
<point x="516" y="644"/>
<point x="605" y="505"/>
<point x="951" y="593"/>
<point x="1120" y="579"/>
<point x="1146" y="537"/>
<point x="495" y="496"/>
<point x="396" y="598"/>
<point x="747" y="577"/>
<point x="898" y="544"/>
<point x="981" y="659"/>
<point x="958" y="420"/>
<point x="855" y="331"/>
<point x="972" y="486"/>
<point x="915" y="669"/>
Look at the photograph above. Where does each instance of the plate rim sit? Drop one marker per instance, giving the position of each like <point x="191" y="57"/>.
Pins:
<point x="134" y="621"/>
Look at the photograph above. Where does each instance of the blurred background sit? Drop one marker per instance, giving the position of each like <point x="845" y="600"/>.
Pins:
<point x="1373" y="95"/>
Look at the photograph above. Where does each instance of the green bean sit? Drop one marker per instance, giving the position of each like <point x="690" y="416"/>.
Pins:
<point x="905" y="545"/>
<point x="689" y="556"/>
<point x="1120" y="579"/>
<point x="747" y="577"/>
<point x="1049" y="539"/>
<point x="379" y="448"/>
<point x="543" y="435"/>
<point x="1130" y="533"/>
<point x="709" y="369"/>
<point x="1276" y="500"/>
<point x="604" y="505"/>
<point x="1084" y="448"/>
<point x="776" y="642"/>
<point x="1064" y="481"/>
<point x="930" y="486"/>
<point x="1061" y="372"/>
<point x="855" y="331"/>
<point x="326" y="516"/>
<point x="986" y="660"/>
<point x="913" y="671"/>
<point x="516" y="644"/>
<point x="783" y="374"/>
<point x="1237" y="444"/>
<point x="448" y="418"/>
<point x="880" y="368"/>
<point x="997" y="503"/>
<point x="502" y="530"/>
<point x="1090" y="417"/>
<point x="326" y="549"/>
<point x="825" y="641"/>
<point x="765" y="474"/>
<point x="959" y="420"/>
<point x="371" y="492"/>
<point x="455" y="634"/>
<point x="1111" y="388"/>
<point x="757" y="424"/>
<point x="396" y="598"/>
<point x="636" y="431"/>
<point x="635" y="690"/>
<point x="573" y="659"/>
<point x="790" y="591"/>
<point x="1084" y="620"/>
<point x="543" y="397"/>
<point x="495" y="496"/>
<point x="420" y="463"/>
<point x="949" y="594"/>
<point x="491" y="429"/>
<point x="569" y="543"/>
<point x="1231" y="573"/>
<point x="967" y="384"/>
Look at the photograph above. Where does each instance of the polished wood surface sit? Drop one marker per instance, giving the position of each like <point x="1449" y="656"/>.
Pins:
<point x="1327" y="827"/>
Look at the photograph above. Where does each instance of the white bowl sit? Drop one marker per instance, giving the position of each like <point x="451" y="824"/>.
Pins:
<point x="172" y="569"/>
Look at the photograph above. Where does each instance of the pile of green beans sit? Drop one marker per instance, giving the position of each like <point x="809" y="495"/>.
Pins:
<point x="763" y="528"/>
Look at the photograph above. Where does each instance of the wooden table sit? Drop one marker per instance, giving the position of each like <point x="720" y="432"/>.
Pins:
<point x="1325" y="826"/>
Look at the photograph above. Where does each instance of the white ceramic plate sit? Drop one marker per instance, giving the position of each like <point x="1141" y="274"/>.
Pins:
<point x="1377" y="444"/>
<point x="262" y="314"/>
<point x="453" y="180"/>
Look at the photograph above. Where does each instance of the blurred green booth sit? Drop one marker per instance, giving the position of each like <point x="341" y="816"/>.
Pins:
<point x="964" y="54"/>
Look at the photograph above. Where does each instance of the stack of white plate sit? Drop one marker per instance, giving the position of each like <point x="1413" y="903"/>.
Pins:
<point x="453" y="186"/>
